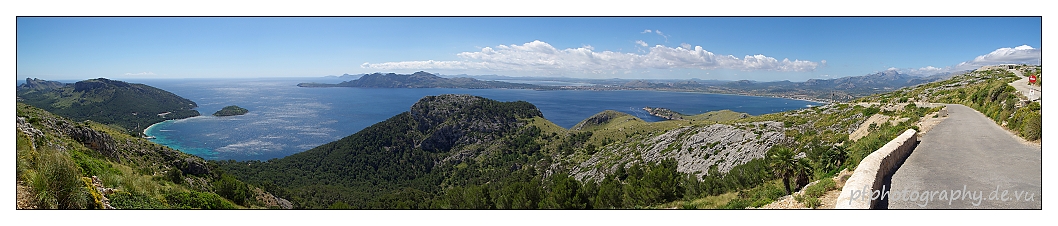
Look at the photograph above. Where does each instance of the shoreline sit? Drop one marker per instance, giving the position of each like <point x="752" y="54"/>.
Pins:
<point x="152" y="126"/>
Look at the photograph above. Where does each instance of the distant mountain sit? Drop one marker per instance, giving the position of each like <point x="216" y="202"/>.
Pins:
<point x="838" y="89"/>
<point x="345" y="76"/>
<point x="421" y="80"/>
<point x="132" y="107"/>
<point x="37" y="84"/>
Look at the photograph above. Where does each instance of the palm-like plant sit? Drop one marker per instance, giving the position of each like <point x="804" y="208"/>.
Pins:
<point x="783" y="165"/>
<point x="803" y="171"/>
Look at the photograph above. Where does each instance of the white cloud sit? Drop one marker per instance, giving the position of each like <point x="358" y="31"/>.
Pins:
<point x="646" y="31"/>
<point x="662" y="35"/>
<point x="1023" y="54"/>
<point x="929" y="70"/>
<point x="139" y="74"/>
<point x="538" y="56"/>
<point x="685" y="45"/>
<point x="641" y="43"/>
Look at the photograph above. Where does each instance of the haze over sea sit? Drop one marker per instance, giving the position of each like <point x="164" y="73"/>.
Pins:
<point x="285" y="119"/>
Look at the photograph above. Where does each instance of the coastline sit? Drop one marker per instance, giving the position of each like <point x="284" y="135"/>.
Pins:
<point x="152" y="126"/>
<point x="149" y="128"/>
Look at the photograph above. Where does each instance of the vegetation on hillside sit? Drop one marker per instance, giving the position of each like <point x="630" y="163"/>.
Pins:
<point x="128" y="106"/>
<point x="988" y="92"/>
<point x="455" y="151"/>
<point x="56" y="158"/>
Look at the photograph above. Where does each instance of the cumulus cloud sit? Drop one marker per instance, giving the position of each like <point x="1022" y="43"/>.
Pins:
<point x="538" y="56"/>
<point x="1023" y="54"/>
<point x="646" y="31"/>
<point x="642" y="43"/>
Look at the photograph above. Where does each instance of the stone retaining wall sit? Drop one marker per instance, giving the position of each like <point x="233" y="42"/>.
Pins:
<point x="869" y="175"/>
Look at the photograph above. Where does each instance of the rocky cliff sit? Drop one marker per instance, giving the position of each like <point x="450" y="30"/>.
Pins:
<point x="696" y="148"/>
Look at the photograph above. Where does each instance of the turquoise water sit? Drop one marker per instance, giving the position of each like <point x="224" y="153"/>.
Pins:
<point x="285" y="119"/>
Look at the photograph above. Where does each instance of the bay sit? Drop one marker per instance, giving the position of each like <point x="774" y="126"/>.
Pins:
<point x="284" y="119"/>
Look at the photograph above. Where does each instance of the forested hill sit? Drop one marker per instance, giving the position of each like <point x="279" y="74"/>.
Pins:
<point x="421" y="80"/>
<point x="442" y="140"/>
<point x="132" y="107"/>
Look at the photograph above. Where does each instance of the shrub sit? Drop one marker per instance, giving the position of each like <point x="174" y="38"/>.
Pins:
<point x="818" y="189"/>
<point x="196" y="200"/>
<point x="736" y="204"/>
<point x="56" y="181"/>
<point x="1033" y="127"/>
<point x="175" y="175"/>
<point x="233" y="189"/>
<point x="125" y="200"/>
<point x="812" y="202"/>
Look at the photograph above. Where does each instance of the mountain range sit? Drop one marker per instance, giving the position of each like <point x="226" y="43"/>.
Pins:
<point x="421" y="80"/>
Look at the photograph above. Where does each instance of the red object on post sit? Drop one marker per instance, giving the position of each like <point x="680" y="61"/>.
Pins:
<point x="1032" y="78"/>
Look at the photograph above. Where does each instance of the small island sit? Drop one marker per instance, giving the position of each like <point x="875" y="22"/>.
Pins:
<point x="664" y="113"/>
<point x="231" y="110"/>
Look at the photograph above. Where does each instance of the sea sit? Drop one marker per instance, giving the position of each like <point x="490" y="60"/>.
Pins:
<point x="284" y="119"/>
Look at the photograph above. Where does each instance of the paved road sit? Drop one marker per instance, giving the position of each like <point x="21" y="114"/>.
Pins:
<point x="969" y="149"/>
<point x="1022" y="85"/>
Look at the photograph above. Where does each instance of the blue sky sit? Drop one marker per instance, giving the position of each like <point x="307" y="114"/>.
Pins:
<point x="726" y="48"/>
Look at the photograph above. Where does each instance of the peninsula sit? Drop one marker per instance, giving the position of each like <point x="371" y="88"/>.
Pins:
<point x="422" y="80"/>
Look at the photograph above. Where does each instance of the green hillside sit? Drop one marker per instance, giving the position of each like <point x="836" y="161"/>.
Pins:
<point x="57" y="159"/>
<point x="128" y="106"/>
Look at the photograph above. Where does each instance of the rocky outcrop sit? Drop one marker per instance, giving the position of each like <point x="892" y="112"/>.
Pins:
<point x="95" y="140"/>
<point x="695" y="149"/>
<point x="271" y="201"/>
<point x="192" y="166"/>
<point x="100" y="142"/>
<point x="39" y="84"/>
<point x="102" y="192"/>
<point x="22" y="125"/>
<point x="598" y="119"/>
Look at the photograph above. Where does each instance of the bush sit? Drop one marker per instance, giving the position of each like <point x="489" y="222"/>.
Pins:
<point x="812" y="202"/>
<point x="1032" y="130"/>
<point x="736" y="204"/>
<point x="56" y="181"/>
<point x="233" y="189"/>
<point x="125" y="200"/>
<point x="175" y="175"/>
<point x="818" y="189"/>
<point x="196" y="200"/>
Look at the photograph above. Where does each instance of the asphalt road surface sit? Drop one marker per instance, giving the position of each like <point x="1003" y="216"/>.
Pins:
<point x="1022" y="85"/>
<point x="968" y="162"/>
